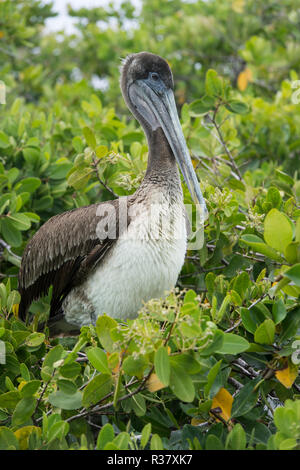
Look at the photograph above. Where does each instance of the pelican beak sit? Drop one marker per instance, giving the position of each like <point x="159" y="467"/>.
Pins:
<point x="160" y="108"/>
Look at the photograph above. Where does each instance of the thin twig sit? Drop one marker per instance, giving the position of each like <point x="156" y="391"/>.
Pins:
<point x="8" y="248"/>
<point x="95" y="165"/>
<point x="42" y="394"/>
<point x="223" y="143"/>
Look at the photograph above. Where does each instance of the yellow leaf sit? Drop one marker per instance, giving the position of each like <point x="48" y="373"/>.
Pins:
<point x="238" y="6"/>
<point x="154" y="384"/>
<point x="196" y="421"/>
<point x="288" y="375"/>
<point x="21" y="385"/>
<point x="23" y="434"/>
<point x="15" y="310"/>
<point x="116" y="369"/>
<point x="244" y="77"/>
<point x="223" y="400"/>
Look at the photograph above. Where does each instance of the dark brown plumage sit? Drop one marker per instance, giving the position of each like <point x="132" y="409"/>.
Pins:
<point x="62" y="253"/>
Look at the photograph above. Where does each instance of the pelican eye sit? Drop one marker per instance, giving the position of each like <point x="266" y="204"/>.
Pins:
<point x="154" y="76"/>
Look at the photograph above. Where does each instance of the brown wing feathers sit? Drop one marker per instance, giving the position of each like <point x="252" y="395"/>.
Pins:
<point x="62" y="253"/>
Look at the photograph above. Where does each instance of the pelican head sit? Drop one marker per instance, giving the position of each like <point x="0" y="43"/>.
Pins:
<point x="147" y="87"/>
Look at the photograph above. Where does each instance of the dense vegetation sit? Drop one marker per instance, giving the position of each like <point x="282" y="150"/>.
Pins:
<point x="215" y="365"/>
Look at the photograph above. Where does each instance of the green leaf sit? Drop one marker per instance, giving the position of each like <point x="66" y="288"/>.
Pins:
<point x="23" y="410"/>
<point x="236" y="439"/>
<point x="135" y="365"/>
<point x="258" y="245"/>
<point x="31" y="155"/>
<point x="265" y="333"/>
<point x="8" y="440"/>
<point x="245" y="400"/>
<point x="213" y="443"/>
<point x="105" y="436"/>
<point x="108" y="133"/>
<point x="131" y="137"/>
<point x="30" y="388"/>
<point x="79" y="178"/>
<point x="101" y="151"/>
<point x="162" y="365"/>
<point x="181" y="384"/>
<point x="111" y="446"/>
<point x="138" y="404"/>
<point x="215" y="344"/>
<point x="241" y="284"/>
<point x="278" y="232"/>
<point x="99" y="387"/>
<point x="58" y="430"/>
<point x="292" y="252"/>
<point x="187" y="362"/>
<point x="66" y="386"/>
<point x="274" y="197"/>
<point x="298" y="230"/>
<point x="89" y="137"/>
<point x="284" y="177"/>
<point x="293" y="274"/>
<point x="25" y="372"/>
<point x="233" y="344"/>
<point x="51" y="358"/>
<point x="104" y="325"/>
<point x="13" y="299"/>
<point x="288" y="444"/>
<point x="122" y="440"/>
<point x="65" y="401"/>
<point x="237" y="107"/>
<point x="45" y="203"/>
<point x="98" y="359"/>
<point x="77" y="143"/>
<point x="202" y="106"/>
<point x="156" y="443"/>
<point x="20" y="221"/>
<point x="9" y="399"/>
<point x="28" y="185"/>
<point x="146" y="432"/>
<point x="213" y="84"/>
<point x="10" y="233"/>
<point x="211" y="378"/>
<point x="290" y="325"/>
<point x="35" y="339"/>
<point x="59" y="169"/>
<point x="223" y="307"/>
<point x="279" y="311"/>
<point x="70" y="371"/>
<point x="4" y="140"/>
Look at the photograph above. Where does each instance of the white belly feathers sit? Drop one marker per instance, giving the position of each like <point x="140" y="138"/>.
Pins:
<point x="143" y="264"/>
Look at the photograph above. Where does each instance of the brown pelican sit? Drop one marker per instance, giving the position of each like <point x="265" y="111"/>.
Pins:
<point x="112" y="257"/>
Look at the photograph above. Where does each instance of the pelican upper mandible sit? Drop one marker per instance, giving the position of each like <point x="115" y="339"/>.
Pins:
<point x="114" y="256"/>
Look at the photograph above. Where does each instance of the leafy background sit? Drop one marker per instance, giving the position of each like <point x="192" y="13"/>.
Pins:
<point x="215" y="365"/>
